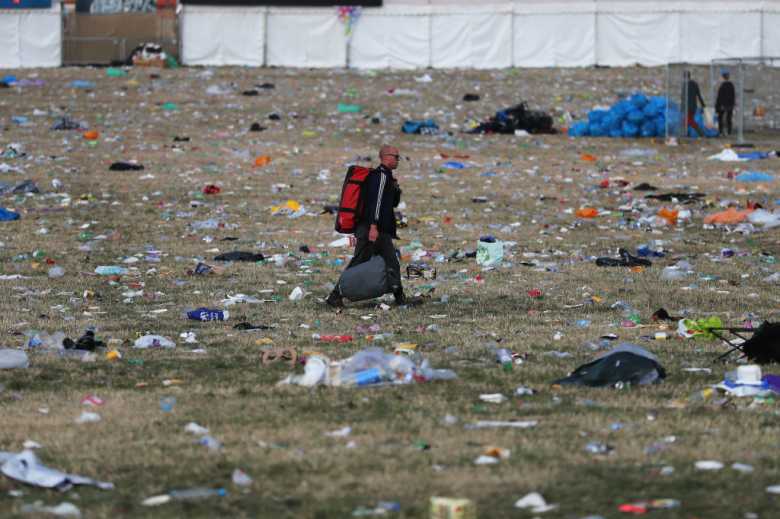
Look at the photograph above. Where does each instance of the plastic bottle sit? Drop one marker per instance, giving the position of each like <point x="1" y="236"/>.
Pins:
<point x="362" y="378"/>
<point x="197" y="493"/>
<point x="504" y="357"/>
<point x="208" y="314"/>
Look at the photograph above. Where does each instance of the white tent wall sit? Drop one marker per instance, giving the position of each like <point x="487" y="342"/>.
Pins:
<point x="472" y="40"/>
<point x="305" y="38"/>
<point x="771" y="42"/>
<point x="554" y="34"/>
<point x="30" y="37"/>
<point x="387" y="40"/>
<point x="220" y="36"/>
<point x="493" y="34"/>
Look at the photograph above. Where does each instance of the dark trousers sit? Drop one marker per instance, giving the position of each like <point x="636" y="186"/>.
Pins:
<point x="724" y="119"/>
<point x="383" y="246"/>
<point x="693" y="124"/>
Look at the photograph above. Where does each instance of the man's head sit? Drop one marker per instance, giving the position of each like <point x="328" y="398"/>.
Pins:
<point x="388" y="156"/>
<point x="725" y="74"/>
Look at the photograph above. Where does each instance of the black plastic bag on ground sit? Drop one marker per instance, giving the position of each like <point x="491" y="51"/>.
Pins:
<point x="518" y="117"/>
<point x="626" y="364"/>
<point x="364" y="281"/>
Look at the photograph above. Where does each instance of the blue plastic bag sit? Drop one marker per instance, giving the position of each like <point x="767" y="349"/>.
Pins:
<point x="648" y="129"/>
<point x="596" y="116"/>
<point x="635" y="116"/>
<point x="639" y="100"/>
<point x="7" y="216"/>
<point x="578" y="129"/>
<point x="630" y="129"/>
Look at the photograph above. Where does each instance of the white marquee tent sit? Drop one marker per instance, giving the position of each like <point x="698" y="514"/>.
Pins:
<point x="31" y="37"/>
<point x="489" y="34"/>
<point x="442" y="34"/>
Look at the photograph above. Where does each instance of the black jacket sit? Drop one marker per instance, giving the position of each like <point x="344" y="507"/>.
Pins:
<point x="726" y="96"/>
<point x="381" y="194"/>
<point x="693" y="94"/>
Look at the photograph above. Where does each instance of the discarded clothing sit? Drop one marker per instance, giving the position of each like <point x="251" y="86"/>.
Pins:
<point x="250" y="326"/>
<point x="625" y="260"/>
<point x="125" y="166"/>
<point x="518" y="117"/>
<point x="427" y="127"/>
<point x="626" y="364"/>
<point x="239" y="256"/>
<point x="644" y="186"/>
<point x="680" y="197"/>
<point x="85" y="342"/>
<point x="662" y="315"/>
<point x="66" y="123"/>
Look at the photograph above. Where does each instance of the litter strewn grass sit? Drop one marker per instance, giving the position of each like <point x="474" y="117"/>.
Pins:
<point x="402" y="446"/>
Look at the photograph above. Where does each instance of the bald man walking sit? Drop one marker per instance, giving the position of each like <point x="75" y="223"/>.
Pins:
<point x="376" y="229"/>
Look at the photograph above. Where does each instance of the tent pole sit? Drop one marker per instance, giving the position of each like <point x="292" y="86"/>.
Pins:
<point x="265" y="37"/>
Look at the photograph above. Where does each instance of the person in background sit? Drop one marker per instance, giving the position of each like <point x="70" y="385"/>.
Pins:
<point x="694" y="95"/>
<point x="724" y="104"/>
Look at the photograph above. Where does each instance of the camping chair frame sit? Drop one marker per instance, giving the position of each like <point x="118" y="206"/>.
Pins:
<point x="720" y="334"/>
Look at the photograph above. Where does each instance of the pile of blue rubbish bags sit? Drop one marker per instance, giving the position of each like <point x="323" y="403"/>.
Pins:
<point x="637" y="116"/>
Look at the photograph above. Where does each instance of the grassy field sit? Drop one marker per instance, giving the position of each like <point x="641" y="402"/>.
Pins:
<point x="408" y="442"/>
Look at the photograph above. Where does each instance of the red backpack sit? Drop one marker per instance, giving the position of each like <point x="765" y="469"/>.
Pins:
<point x="351" y="201"/>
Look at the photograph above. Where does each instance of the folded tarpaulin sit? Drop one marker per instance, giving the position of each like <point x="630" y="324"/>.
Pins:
<point x="627" y="364"/>
<point x="27" y="468"/>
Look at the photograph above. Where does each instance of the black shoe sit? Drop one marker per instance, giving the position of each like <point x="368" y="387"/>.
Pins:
<point x="335" y="300"/>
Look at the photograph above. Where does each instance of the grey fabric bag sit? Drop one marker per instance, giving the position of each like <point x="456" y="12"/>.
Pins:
<point x="365" y="281"/>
